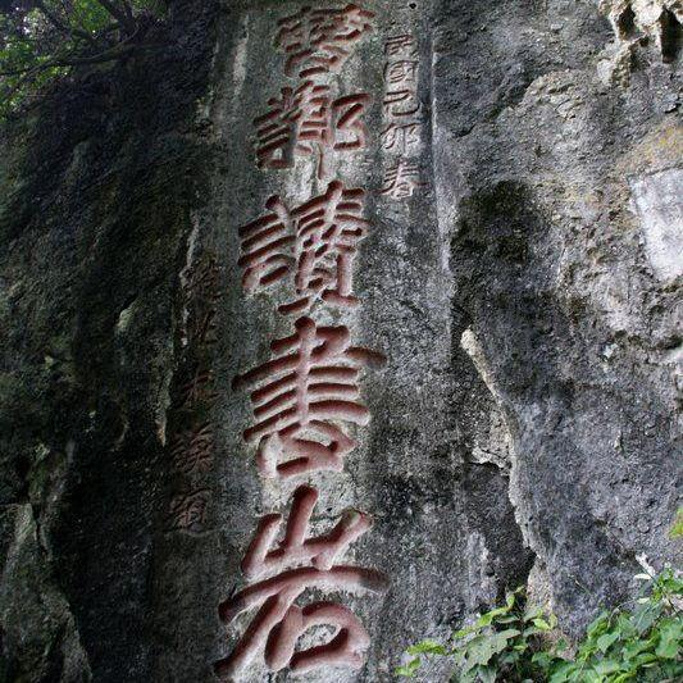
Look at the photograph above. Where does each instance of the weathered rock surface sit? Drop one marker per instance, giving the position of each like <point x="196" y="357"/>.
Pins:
<point x="527" y="423"/>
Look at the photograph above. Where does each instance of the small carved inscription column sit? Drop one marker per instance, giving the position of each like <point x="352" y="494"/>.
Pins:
<point x="403" y="116"/>
<point x="192" y="439"/>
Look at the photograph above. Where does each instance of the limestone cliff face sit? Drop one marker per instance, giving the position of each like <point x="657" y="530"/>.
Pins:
<point x="521" y="280"/>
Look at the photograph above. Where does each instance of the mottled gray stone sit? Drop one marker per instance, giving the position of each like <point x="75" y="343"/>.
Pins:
<point x="658" y="201"/>
<point x="526" y="428"/>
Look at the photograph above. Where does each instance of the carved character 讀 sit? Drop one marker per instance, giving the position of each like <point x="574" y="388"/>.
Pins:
<point x="313" y="246"/>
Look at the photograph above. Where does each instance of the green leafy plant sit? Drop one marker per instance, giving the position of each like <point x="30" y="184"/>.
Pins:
<point x="501" y="645"/>
<point x="639" y="641"/>
<point x="677" y="528"/>
<point x="41" y="40"/>
<point x="644" y="643"/>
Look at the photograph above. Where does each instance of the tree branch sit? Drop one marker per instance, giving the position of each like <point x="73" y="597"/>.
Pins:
<point x="111" y="55"/>
<point x="127" y="22"/>
<point x="57" y="23"/>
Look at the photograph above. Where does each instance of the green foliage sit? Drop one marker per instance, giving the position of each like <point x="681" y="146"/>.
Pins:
<point x="511" y="644"/>
<point x="641" y="644"/>
<point x="677" y="528"/>
<point x="41" y="40"/>
<point x="501" y="645"/>
<point x="25" y="48"/>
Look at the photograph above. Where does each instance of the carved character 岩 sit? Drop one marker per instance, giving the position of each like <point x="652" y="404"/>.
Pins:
<point x="277" y="576"/>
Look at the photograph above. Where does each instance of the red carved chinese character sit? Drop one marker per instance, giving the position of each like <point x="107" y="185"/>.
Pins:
<point x="400" y="45"/>
<point x="312" y="379"/>
<point x="197" y="390"/>
<point x="188" y="511"/>
<point x="279" y="623"/>
<point x="192" y="449"/>
<point x="202" y="280"/>
<point x="320" y="40"/>
<point x="347" y="112"/>
<point x="400" y="136"/>
<point x="316" y="242"/>
<point x="401" y="181"/>
<point x="393" y="98"/>
<point x="403" y="71"/>
<point x="307" y="122"/>
<point x="202" y="328"/>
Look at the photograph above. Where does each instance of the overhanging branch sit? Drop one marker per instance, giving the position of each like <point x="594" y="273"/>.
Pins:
<point x="124" y="18"/>
<point x="60" y="26"/>
<point x="111" y="55"/>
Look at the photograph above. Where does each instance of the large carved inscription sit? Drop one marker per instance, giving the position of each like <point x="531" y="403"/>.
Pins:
<point x="278" y="574"/>
<point x="306" y="397"/>
<point x="310" y="248"/>
<point x="311" y="382"/>
<point x="307" y="118"/>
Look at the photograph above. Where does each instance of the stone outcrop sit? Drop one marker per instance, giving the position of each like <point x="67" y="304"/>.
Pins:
<point x="525" y="291"/>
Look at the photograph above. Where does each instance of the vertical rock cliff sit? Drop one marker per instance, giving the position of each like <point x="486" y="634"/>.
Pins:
<point x="403" y="277"/>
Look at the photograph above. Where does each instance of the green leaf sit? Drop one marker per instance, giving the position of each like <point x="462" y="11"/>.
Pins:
<point x="607" y="666"/>
<point x="670" y="642"/>
<point x="599" y="626"/>
<point x="507" y="657"/>
<point x="487" y="674"/>
<point x="488" y="618"/>
<point x="644" y="617"/>
<point x="621" y="678"/>
<point x="534" y="613"/>
<point x="408" y="670"/>
<point x="468" y="677"/>
<point x="464" y="632"/>
<point x="542" y="625"/>
<point x="633" y="649"/>
<point x="605" y="641"/>
<point x="562" y="671"/>
<point x="481" y="649"/>
<point x="430" y="647"/>
<point x="677" y="528"/>
<point x="643" y="660"/>
<point x="543" y="659"/>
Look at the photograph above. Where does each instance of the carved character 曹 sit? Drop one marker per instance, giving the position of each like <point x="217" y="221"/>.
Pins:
<point x="319" y="41"/>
